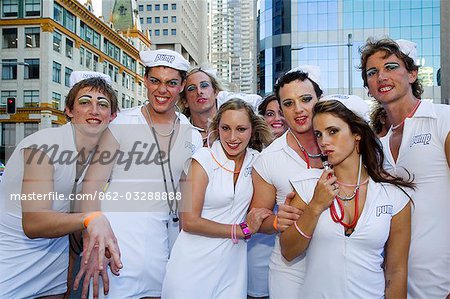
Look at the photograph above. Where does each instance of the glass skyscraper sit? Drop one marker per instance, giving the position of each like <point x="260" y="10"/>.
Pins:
<point x="316" y="32"/>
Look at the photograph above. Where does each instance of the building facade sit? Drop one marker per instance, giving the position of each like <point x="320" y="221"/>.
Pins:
<point x="233" y="42"/>
<point x="42" y="42"/>
<point x="177" y="25"/>
<point x="316" y="32"/>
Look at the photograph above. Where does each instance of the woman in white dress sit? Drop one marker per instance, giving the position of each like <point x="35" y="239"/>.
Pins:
<point x="356" y="216"/>
<point x="209" y="258"/>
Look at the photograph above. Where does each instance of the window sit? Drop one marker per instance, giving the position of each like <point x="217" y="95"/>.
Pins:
<point x="141" y="7"/>
<point x="67" y="73"/>
<point x="32" y="69"/>
<point x="9" y="38"/>
<point x="174" y="19"/>
<point x="56" y="72"/>
<point x="166" y="20"/>
<point x="149" y="7"/>
<point x="88" y="59"/>
<point x="69" y="48"/>
<point x="9" y="69"/>
<point x="10" y="8"/>
<point x="81" y="56"/>
<point x="157" y="7"/>
<point x="165" y="32"/>
<point x="57" y="41"/>
<point x="94" y="68"/>
<point x="31" y="98"/>
<point x="32" y="8"/>
<point x="157" y="20"/>
<point x="30" y="128"/>
<point x="57" y="13"/>
<point x="157" y="33"/>
<point x="141" y="20"/>
<point x="56" y="100"/>
<point x="174" y="32"/>
<point x="7" y="94"/>
<point x="69" y="20"/>
<point x="165" y="6"/>
<point x="174" y="6"/>
<point x="149" y="20"/>
<point x="116" y="74"/>
<point x="32" y="37"/>
<point x="8" y="134"/>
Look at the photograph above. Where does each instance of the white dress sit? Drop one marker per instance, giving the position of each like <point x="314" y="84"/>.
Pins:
<point x="277" y="164"/>
<point x="349" y="267"/>
<point x="32" y="268"/>
<point x="422" y="154"/>
<point x="143" y="227"/>
<point x="203" y="267"/>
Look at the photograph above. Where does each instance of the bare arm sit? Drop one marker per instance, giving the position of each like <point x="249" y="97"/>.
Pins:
<point x="447" y="149"/>
<point x="292" y="242"/>
<point x="396" y="259"/>
<point x="193" y="200"/>
<point x="38" y="218"/>
<point x="264" y="196"/>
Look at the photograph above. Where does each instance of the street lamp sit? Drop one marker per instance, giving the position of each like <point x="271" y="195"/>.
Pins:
<point x="349" y="46"/>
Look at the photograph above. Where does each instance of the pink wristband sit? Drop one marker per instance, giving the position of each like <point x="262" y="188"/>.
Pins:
<point x="301" y="232"/>
<point x="233" y="234"/>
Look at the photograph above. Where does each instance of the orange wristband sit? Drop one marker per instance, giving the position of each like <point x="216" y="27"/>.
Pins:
<point x="90" y="217"/>
<point x="275" y="223"/>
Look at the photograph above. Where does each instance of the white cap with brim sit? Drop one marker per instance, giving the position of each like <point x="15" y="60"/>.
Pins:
<point x="77" y="76"/>
<point x="253" y="99"/>
<point x="313" y="72"/>
<point x="164" y="57"/>
<point x="408" y="48"/>
<point x="352" y="102"/>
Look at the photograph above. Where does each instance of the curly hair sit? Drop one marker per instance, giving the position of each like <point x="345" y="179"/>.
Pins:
<point x="261" y="134"/>
<point x="292" y="76"/>
<point x="389" y="46"/>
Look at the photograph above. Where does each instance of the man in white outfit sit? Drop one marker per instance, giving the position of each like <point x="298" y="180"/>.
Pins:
<point x="417" y="145"/>
<point x="297" y="91"/>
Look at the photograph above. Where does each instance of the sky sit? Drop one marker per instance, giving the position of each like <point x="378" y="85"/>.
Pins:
<point x="97" y="4"/>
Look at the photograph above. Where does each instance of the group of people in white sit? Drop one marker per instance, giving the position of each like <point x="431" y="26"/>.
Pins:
<point x="293" y="196"/>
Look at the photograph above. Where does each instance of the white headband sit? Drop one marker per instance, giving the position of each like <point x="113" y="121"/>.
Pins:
<point x="253" y="99"/>
<point x="352" y="102"/>
<point x="164" y="57"/>
<point x="408" y="48"/>
<point x="77" y="76"/>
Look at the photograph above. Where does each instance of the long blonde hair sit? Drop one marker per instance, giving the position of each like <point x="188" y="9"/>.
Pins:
<point x="261" y="134"/>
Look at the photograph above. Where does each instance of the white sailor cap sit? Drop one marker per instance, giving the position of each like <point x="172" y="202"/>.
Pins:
<point x="354" y="103"/>
<point x="77" y="76"/>
<point x="253" y="99"/>
<point x="408" y="48"/>
<point x="313" y="72"/>
<point x="164" y="57"/>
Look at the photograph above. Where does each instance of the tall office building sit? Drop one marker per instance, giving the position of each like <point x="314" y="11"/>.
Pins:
<point x="42" y="42"/>
<point x="233" y="42"/>
<point x="177" y="25"/>
<point x="293" y="33"/>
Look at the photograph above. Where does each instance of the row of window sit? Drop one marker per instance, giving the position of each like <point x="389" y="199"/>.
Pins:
<point x="165" y="20"/>
<point x="21" y="8"/>
<point x="10" y="37"/>
<point x="30" y="98"/>
<point x="165" y="6"/>
<point x="9" y="69"/>
<point x="165" y="32"/>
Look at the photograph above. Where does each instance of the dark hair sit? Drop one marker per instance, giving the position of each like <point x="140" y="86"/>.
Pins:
<point x="369" y="146"/>
<point x="216" y="84"/>
<point x="376" y="115"/>
<point x="263" y="106"/>
<point x="182" y="73"/>
<point x="389" y="47"/>
<point x="292" y="76"/>
<point x="261" y="134"/>
<point x="95" y="84"/>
